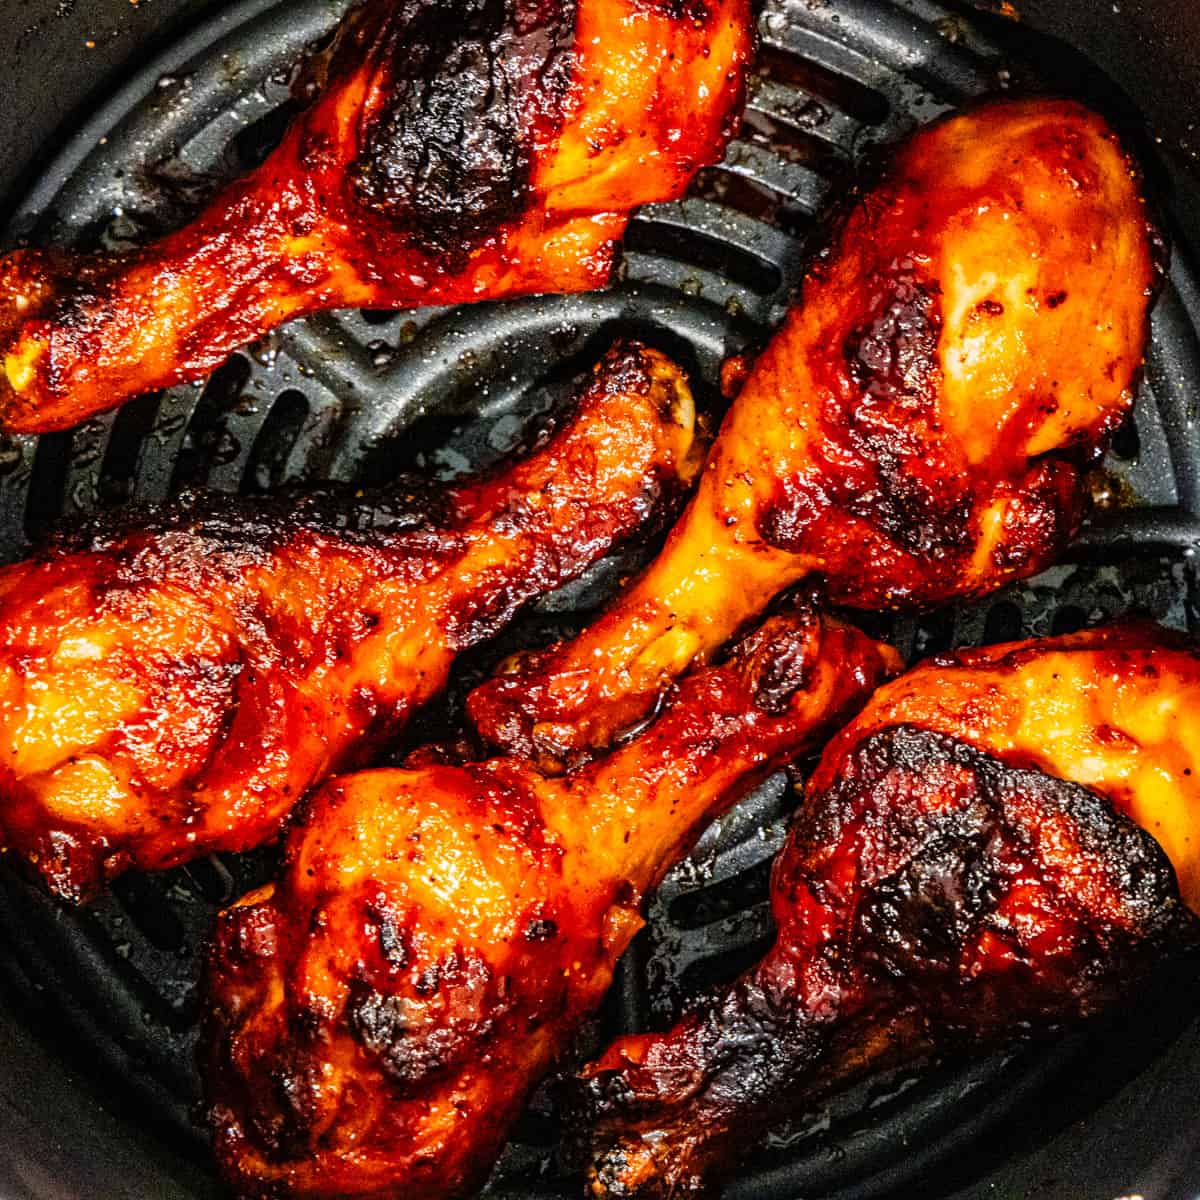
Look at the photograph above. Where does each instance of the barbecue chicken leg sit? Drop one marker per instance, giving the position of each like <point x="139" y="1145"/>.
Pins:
<point x="173" y="681"/>
<point x="917" y="430"/>
<point x="377" y="1019"/>
<point x="460" y="150"/>
<point x="985" y="852"/>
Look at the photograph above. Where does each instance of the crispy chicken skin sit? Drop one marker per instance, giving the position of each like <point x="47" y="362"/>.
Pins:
<point x="174" y="680"/>
<point x="376" y="1020"/>
<point x="459" y="150"/>
<point x="916" y="430"/>
<point x="985" y="852"/>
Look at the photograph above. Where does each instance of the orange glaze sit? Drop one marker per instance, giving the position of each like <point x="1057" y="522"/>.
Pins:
<point x="414" y="179"/>
<point x="377" y="1019"/>
<point x="172" y="683"/>
<point x="947" y="886"/>
<point x="917" y="429"/>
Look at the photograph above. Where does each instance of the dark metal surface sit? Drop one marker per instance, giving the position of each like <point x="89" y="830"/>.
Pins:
<point x="355" y="394"/>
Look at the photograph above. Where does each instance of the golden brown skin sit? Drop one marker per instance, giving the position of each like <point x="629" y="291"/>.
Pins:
<point x="173" y="682"/>
<point x="377" y="1019"/>
<point x="980" y="857"/>
<point x="460" y="150"/>
<point x="917" y="430"/>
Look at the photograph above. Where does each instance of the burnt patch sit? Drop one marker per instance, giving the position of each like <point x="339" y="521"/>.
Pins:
<point x="918" y="507"/>
<point x="1000" y="896"/>
<point x="395" y="938"/>
<point x="417" y="1039"/>
<point x="624" y="370"/>
<point x="892" y="354"/>
<point x="792" y="514"/>
<point x="779" y="658"/>
<point x="471" y="87"/>
<point x="541" y="929"/>
<point x="885" y="456"/>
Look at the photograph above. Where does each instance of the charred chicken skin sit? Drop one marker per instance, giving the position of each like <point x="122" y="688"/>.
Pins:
<point x="915" y="432"/>
<point x="378" y="1017"/>
<point x="1001" y="842"/>
<point x="173" y="681"/>
<point x="459" y="150"/>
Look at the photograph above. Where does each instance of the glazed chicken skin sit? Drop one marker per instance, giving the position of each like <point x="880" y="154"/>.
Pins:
<point x="999" y="844"/>
<point x="459" y="150"/>
<point x="376" y="1020"/>
<point x="173" y="681"/>
<point x="915" y="432"/>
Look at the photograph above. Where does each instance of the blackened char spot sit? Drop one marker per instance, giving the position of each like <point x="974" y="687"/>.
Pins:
<point x="779" y="661"/>
<point x="791" y="514"/>
<point x="471" y="85"/>
<point x="541" y="929"/>
<point x="918" y="499"/>
<point x="393" y="937"/>
<point x="413" y="1042"/>
<point x="962" y="850"/>
<point x="893" y="354"/>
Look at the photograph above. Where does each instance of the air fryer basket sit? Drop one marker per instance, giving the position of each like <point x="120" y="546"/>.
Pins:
<point x="99" y="1093"/>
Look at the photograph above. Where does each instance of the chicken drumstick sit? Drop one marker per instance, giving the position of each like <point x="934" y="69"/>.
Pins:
<point x="460" y="150"/>
<point x="985" y="852"/>
<point x="377" y="1019"/>
<point x="917" y="430"/>
<point x="172" y="682"/>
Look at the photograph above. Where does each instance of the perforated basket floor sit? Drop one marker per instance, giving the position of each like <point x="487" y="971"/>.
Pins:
<point x="358" y="395"/>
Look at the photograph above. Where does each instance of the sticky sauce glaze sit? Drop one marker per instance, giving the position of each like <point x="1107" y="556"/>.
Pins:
<point x="437" y="935"/>
<point x="174" y="681"/>
<point x="999" y="845"/>
<point x="459" y="151"/>
<point x="916" y="431"/>
<point x="1114" y="709"/>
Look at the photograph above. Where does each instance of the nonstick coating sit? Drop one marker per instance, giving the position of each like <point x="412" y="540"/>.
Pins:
<point x="1106" y="1115"/>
